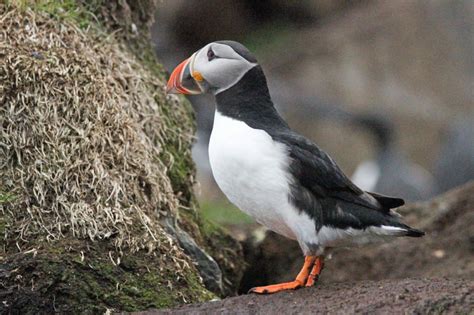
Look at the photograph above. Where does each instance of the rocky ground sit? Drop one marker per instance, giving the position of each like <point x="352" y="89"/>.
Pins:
<point x="415" y="296"/>
<point x="434" y="274"/>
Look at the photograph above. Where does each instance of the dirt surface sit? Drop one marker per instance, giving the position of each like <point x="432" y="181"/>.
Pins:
<point x="434" y="274"/>
<point x="418" y="296"/>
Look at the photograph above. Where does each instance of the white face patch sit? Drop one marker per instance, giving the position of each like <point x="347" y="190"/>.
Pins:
<point x="223" y="71"/>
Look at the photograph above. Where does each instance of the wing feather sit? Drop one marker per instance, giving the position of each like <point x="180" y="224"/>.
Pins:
<point x="324" y="192"/>
<point x="315" y="170"/>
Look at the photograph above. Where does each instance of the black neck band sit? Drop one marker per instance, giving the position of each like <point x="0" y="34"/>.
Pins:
<point x="249" y="101"/>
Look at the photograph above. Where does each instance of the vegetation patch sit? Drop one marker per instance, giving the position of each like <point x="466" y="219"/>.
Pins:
<point x="82" y="135"/>
<point x="94" y="158"/>
<point x="70" y="278"/>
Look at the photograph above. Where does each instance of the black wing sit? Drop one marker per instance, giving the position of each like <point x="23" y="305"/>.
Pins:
<point x="321" y="184"/>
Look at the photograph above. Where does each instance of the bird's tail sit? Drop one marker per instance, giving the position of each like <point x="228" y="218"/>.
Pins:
<point x="400" y="229"/>
<point x="395" y="227"/>
<point x="411" y="232"/>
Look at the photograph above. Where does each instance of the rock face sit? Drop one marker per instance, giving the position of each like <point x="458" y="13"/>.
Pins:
<point x="95" y="158"/>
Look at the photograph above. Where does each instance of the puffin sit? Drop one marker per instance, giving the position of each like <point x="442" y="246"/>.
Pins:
<point x="277" y="176"/>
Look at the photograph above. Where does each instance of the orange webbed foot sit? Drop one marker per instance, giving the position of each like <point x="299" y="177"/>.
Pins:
<point x="274" y="288"/>
<point x="300" y="281"/>
<point x="315" y="272"/>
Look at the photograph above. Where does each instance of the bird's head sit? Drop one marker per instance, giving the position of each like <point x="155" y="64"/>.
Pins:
<point x="212" y="69"/>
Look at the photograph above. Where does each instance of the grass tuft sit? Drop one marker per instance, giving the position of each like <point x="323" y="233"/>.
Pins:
<point x="82" y="131"/>
<point x="61" y="10"/>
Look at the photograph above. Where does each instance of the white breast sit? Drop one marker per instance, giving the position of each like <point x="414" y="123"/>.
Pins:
<point x="251" y="169"/>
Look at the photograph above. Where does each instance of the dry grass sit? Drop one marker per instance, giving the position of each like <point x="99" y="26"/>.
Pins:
<point x="83" y="130"/>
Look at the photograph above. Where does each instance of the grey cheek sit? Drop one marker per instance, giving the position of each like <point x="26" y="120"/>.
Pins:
<point x="218" y="79"/>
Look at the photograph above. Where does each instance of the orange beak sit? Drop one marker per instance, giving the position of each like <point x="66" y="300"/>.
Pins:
<point x="182" y="81"/>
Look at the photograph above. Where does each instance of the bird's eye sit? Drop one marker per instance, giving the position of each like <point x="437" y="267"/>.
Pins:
<point x="211" y="55"/>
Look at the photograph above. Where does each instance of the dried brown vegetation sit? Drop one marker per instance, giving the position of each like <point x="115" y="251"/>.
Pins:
<point x="82" y="135"/>
<point x="94" y="157"/>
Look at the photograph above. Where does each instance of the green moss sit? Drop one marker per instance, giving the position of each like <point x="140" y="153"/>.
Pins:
<point x="181" y="168"/>
<point x="72" y="283"/>
<point x="176" y="153"/>
<point x="228" y="253"/>
<point x="6" y="197"/>
<point x="68" y="10"/>
<point x="144" y="52"/>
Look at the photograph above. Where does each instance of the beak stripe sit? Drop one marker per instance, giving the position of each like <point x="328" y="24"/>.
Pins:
<point x="175" y="79"/>
<point x="182" y="81"/>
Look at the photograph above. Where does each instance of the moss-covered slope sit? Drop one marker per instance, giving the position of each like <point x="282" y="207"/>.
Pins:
<point x="94" y="160"/>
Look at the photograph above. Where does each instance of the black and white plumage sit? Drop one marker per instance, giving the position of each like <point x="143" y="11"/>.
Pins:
<point x="283" y="180"/>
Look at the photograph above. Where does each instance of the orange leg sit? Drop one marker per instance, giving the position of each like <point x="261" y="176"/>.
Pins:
<point x="300" y="280"/>
<point x="316" y="271"/>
